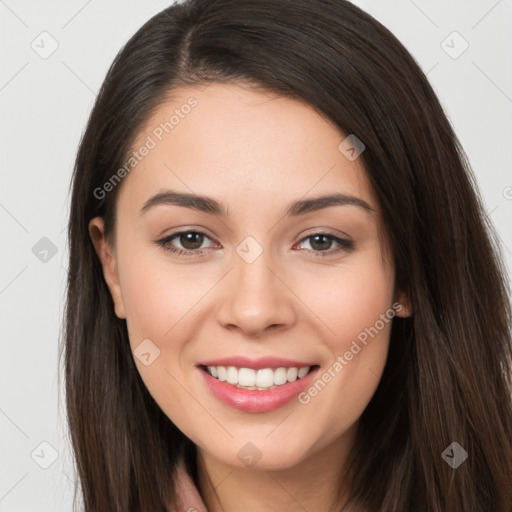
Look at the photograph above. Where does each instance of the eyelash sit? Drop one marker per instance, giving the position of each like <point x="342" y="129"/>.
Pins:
<point x="346" y="245"/>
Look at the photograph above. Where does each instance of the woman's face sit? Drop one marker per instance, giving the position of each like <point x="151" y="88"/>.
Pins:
<point x="267" y="281"/>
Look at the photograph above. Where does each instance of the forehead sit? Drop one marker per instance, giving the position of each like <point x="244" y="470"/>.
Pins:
<point x="242" y="146"/>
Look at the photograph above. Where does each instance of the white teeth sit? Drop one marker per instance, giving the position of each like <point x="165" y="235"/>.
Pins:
<point x="303" y="372"/>
<point x="265" y="378"/>
<point x="222" y="373"/>
<point x="246" y="377"/>
<point x="280" y="376"/>
<point x="232" y="375"/>
<point x="292" y="374"/>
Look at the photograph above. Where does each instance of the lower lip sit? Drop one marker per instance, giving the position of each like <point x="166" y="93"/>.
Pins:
<point x="251" y="400"/>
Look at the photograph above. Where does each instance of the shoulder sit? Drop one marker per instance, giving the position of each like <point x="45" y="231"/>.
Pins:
<point x="188" y="495"/>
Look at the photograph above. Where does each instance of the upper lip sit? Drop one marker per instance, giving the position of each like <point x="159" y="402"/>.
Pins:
<point x="256" y="364"/>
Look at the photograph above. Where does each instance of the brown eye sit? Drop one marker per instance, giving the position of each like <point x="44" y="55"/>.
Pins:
<point x="190" y="242"/>
<point x="320" y="243"/>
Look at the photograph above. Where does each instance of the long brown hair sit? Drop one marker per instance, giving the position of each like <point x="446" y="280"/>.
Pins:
<point x="448" y="376"/>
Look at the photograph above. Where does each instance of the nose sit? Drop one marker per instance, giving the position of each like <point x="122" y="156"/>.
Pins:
<point x="255" y="298"/>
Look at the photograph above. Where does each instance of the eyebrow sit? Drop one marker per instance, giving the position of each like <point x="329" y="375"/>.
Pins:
<point x="208" y="205"/>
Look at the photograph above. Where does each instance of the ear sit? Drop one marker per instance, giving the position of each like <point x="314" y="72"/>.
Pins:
<point x="403" y="308"/>
<point x="107" y="257"/>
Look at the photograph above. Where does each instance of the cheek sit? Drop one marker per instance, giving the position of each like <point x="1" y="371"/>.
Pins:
<point x="351" y="299"/>
<point x="157" y="307"/>
<point x="161" y="302"/>
<point x="158" y="296"/>
<point x="357" y="306"/>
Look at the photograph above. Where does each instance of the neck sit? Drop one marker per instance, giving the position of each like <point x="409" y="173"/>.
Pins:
<point x="312" y="484"/>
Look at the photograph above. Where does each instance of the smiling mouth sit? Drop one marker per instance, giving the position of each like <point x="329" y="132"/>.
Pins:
<point x="263" y="379"/>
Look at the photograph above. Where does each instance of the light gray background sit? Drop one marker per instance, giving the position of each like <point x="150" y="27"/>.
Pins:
<point x="44" y="105"/>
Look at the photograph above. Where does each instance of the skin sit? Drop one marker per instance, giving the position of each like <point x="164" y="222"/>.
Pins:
<point x="256" y="153"/>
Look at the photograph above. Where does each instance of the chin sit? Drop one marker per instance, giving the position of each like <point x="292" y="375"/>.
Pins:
<point x="264" y="458"/>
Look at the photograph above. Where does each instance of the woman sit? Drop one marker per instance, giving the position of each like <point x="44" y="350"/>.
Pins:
<point x="283" y="292"/>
